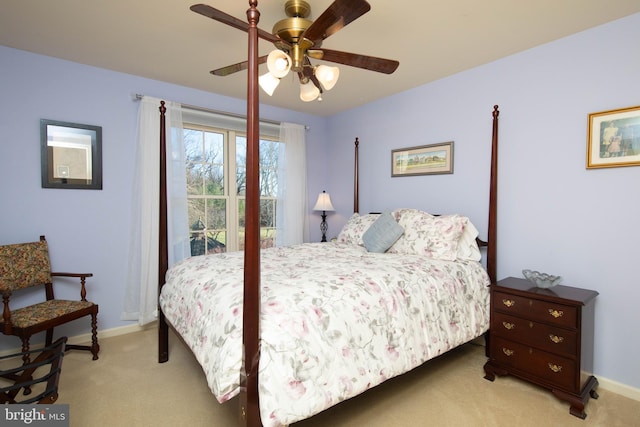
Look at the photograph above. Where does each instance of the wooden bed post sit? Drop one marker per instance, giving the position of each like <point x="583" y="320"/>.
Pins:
<point x="163" y="253"/>
<point x="356" y="195"/>
<point x="492" y="232"/>
<point x="249" y="400"/>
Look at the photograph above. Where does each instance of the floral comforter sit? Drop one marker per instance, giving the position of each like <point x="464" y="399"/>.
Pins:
<point x="336" y="320"/>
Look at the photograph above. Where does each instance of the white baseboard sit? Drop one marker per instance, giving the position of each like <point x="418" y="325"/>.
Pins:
<point x="607" y="384"/>
<point x="113" y="332"/>
<point x="86" y="338"/>
<point x="619" y="388"/>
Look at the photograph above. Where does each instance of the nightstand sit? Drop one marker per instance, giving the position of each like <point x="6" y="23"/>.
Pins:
<point x="544" y="336"/>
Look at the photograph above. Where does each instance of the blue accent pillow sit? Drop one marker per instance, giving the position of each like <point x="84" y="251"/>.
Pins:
<point x="382" y="233"/>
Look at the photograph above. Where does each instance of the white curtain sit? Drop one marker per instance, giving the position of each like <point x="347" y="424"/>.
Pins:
<point x="141" y="298"/>
<point x="292" y="222"/>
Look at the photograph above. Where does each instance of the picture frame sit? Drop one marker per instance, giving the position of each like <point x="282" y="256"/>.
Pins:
<point x="70" y="155"/>
<point x="613" y="138"/>
<point x="433" y="159"/>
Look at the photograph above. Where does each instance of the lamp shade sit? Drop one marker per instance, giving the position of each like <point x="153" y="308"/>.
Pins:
<point x="278" y="63"/>
<point x="323" y="203"/>
<point x="308" y="91"/>
<point x="327" y="76"/>
<point x="268" y="82"/>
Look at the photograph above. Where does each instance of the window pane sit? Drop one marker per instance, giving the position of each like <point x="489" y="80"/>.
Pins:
<point x="241" y="165"/>
<point x="193" y="153"/>
<point x="193" y="145"/>
<point x="268" y="168"/>
<point x="241" y="223"/>
<point x="217" y="225"/>
<point x="196" y="226"/>
<point x="268" y="213"/>
<point x="195" y="176"/>
<point x="196" y="215"/>
<point x="216" y="214"/>
<point x="214" y="180"/>
<point x="267" y="223"/>
<point x="214" y="158"/>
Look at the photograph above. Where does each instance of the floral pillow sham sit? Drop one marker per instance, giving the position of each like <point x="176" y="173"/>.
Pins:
<point x="355" y="228"/>
<point x="425" y="234"/>
<point x="444" y="237"/>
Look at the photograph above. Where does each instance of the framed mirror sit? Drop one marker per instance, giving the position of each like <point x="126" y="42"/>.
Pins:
<point x="71" y="155"/>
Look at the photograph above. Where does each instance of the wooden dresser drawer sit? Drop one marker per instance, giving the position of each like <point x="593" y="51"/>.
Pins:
<point x="540" y="335"/>
<point x="544" y="336"/>
<point x="549" y="367"/>
<point x="535" y="309"/>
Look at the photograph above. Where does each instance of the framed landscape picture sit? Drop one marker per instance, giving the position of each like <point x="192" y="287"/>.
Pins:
<point x="423" y="160"/>
<point x="614" y="138"/>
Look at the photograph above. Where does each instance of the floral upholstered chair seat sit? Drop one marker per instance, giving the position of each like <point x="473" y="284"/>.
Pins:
<point x="46" y="311"/>
<point x="27" y="265"/>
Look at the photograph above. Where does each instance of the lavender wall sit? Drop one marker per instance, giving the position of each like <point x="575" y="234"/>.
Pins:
<point x="553" y="214"/>
<point x="87" y="229"/>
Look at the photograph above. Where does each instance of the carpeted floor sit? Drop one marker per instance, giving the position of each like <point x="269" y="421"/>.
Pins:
<point x="127" y="387"/>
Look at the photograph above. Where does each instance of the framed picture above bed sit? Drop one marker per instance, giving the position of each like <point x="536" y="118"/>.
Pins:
<point x="614" y="138"/>
<point x="422" y="160"/>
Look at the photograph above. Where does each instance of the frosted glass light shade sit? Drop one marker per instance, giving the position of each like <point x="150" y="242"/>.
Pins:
<point x="278" y="63"/>
<point x="308" y="91"/>
<point x="268" y="82"/>
<point x="327" y="76"/>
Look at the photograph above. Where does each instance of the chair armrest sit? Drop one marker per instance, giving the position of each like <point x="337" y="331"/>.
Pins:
<point x="82" y="276"/>
<point x="71" y="274"/>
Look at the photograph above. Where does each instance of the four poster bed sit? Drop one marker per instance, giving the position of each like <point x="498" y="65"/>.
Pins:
<point x="319" y="323"/>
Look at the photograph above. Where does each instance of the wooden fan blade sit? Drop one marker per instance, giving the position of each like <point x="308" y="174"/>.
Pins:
<point x="225" y="18"/>
<point x="230" y="69"/>
<point x="381" y="65"/>
<point x="338" y="15"/>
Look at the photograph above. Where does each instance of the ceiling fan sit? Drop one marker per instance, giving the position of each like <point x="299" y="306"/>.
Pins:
<point x="297" y="40"/>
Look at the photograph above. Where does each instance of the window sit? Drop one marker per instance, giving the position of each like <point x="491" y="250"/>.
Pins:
<point x="216" y="188"/>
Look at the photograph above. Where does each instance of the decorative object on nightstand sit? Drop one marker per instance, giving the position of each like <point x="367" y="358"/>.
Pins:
<point x="544" y="336"/>
<point x="324" y="204"/>
<point x="541" y="280"/>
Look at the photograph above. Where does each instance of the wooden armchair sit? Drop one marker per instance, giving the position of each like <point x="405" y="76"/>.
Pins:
<point x="26" y="265"/>
<point x="33" y="377"/>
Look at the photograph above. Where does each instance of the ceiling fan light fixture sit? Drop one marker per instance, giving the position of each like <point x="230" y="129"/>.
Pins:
<point x="268" y="82"/>
<point x="308" y="91"/>
<point x="327" y="76"/>
<point x="278" y="63"/>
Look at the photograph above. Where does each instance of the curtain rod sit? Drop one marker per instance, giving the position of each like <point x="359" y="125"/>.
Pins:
<point x="138" y="97"/>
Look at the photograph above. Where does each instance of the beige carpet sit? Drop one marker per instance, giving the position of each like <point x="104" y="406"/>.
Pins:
<point x="127" y="387"/>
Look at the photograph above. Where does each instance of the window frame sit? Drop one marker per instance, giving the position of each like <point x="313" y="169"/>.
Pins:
<point x="230" y="194"/>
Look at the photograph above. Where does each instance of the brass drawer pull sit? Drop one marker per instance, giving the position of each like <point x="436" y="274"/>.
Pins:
<point x="556" y="313"/>
<point x="507" y="351"/>
<point x="509" y="302"/>
<point x="508" y="325"/>
<point x="556" y="339"/>
<point x="555" y="368"/>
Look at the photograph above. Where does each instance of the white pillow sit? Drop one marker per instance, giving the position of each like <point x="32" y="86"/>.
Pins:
<point x="424" y="234"/>
<point x="467" y="245"/>
<point x="355" y="228"/>
<point x="446" y="237"/>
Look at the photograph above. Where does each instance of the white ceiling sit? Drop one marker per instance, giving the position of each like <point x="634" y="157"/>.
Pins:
<point x="164" y="40"/>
